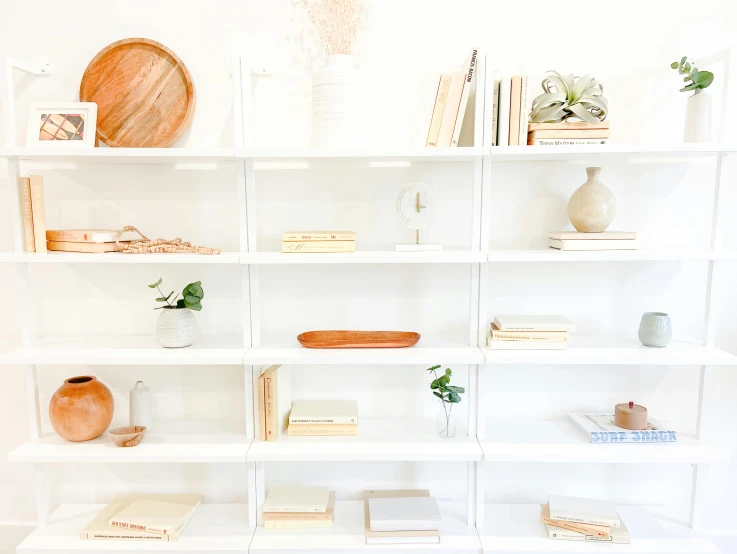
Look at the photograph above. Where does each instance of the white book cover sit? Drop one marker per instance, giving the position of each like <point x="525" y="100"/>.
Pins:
<point x="501" y="344"/>
<point x="584" y="245"/>
<point x="153" y="516"/>
<point x="404" y="514"/>
<point x="505" y="91"/>
<point x="469" y="68"/>
<point x="600" y="428"/>
<point x="518" y="322"/>
<point x="332" y="412"/>
<point x="297" y="499"/>
<point x="584" y="510"/>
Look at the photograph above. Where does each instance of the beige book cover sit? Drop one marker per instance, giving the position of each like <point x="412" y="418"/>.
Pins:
<point x="447" y="124"/>
<point x="437" y="114"/>
<point x="261" y="408"/>
<point x="84" y="247"/>
<point x="298" y="524"/>
<point x="572" y="134"/>
<point x="152" y="516"/>
<point x="25" y="197"/>
<point x="270" y="402"/>
<point x="397" y="537"/>
<point x="532" y="322"/>
<point x="560" y="336"/>
<point x="497" y="344"/>
<point x="322" y="430"/>
<point x="297" y="499"/>
<point x="565" y="125"/>
<point x="307" y="236"/>
<point x="39" y="216"/>
<point x="601" y="531"/>
<point x="324" y="412"/>
<point x="515" y="98"/>
<point x="302" y="516"/>
<point x="319" y="246"/>
<point x="469" y="69"/>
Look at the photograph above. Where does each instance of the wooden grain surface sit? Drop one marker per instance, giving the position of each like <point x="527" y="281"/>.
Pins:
<point x="358" y="339"/>
<point x="145" y="95"/>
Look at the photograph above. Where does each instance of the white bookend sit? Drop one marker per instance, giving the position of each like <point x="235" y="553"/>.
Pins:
<point x="404" y="514"/>
<point x="505" y="88"/>
<point x="469" y="68"/>
<point x="586" y="245"/>
<point x="297" y="499"/>
<point x="332" y="412"/>
<point x="584" y="510"/>
<point x="153" y="516"/>
<point x="599" y="428"/>
<point x="516" y="322"/>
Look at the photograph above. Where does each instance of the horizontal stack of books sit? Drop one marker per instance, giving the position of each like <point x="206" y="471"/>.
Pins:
<point x="318" y="241"/>
<point x="402" y="517"/>
<point x="511" y="111"/>
<point x="530" y="332"/>
<point x="327" y="418"/>
<point x="608" y="240"/>
<point x="599" y="428"/>
<point x="143" y="517"/>
<point x="581" y="519"/>
<point x="567" y="133"/>
<point x="299" y="508"/>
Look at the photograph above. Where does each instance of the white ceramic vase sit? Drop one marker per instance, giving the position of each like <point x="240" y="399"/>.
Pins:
<point x="141" y="406"/>
<point x="698" y="117"/>
<point x="592" y="207"/>
<point x="176" y="328"/>
<point x="338" y="105"/>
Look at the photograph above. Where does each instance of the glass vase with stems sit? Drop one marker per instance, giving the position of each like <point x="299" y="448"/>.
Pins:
<point x="448" y="395"/>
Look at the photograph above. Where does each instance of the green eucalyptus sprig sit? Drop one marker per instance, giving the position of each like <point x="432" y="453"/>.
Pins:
<point x="447" y="393"/>
<point x="698" y="79"/>
<point x="192" y="295"/>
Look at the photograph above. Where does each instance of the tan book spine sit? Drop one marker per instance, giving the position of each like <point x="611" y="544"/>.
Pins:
<point x="25" y="195"/>
<point x="514" y="110"/>
<point x="322" y="430"/>
<point x="447" y="124"/>
<point x="572" y="134"/>
<point x="270" y="400"/>
<point x="297" y="516"/>
<point x="565" y="142"/>
<point x="551" y="336"/>
<point x="319" y="246"/>
<point x="39" y="218"/>
<point x="437" y="114"/>
<point x="308" y="236"/>
<point x="564" y="125"/>
<point x="129" y="535"/>
<point x="83" y="247"/>
<point x="524" y="111"/>
<point x="261" y="408"/>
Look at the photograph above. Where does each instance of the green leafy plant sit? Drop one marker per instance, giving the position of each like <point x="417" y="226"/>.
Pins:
<point x="447" y="393"/>
<point x="567" y="97"/>
<point x="693" y="77"/>
<point x="192" y="295"/>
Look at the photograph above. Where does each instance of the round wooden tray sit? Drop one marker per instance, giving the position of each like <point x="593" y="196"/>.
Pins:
<point x="358" y="339"/>
<point x="144" y="94"/>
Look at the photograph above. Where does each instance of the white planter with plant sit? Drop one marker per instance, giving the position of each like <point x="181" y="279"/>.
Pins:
<point x="448" y="395"/>
<point x="698" y="105"/>
<point x="177" y="326"/>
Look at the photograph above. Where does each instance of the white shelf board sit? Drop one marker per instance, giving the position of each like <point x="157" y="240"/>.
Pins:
<point x="169" y="442"/>
<point x="513" y="528"/>
<point x="285" y="349"/>
<point x="120" y="155"/>
<point x="610" y="350"/>
<point x="348" y="534"/>
<point x="406" y="439"/>
<point x="370" y="155"/>
<point x="117" y="258"/>
<point x="560" y="441"/>
<point x="366" y="257"/>
<point x="667" y="254"/>
<point x="213" y="527"/>
<point x="127" y="350"/>
<point x="651" y="153"/>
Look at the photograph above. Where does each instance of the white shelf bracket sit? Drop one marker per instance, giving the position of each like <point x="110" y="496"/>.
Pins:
<point x="7" y="91"/>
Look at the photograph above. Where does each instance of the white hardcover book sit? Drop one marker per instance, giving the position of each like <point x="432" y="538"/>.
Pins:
<point x="297" y="499"/>
<point x="617" y="535"/>
<point x="331" y="412"/>
<point x="588" y="245"/>
<point x="298" y="524"/>
<point x="469" y="68"/>
<point x="516" y="322"/>
<point x="606" y="235"/>
<point x="495" y="344"/>
<point x="419" y="513"/>
<point x="584" y="510"/>
<point x="153" y="516"/>
<point x="505" y="92"/>
<point x="600" y="428"/>
<point x="524" y="111"/>
<point x="495" y="113"/>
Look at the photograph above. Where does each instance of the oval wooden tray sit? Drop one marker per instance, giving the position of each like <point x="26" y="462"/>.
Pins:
<point x="358" y="339"/>
<point x="144" y="94"/>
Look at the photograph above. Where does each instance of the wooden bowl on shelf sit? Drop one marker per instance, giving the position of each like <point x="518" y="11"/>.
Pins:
<point x="358" y="339"/>
<point x="131" y="435"/>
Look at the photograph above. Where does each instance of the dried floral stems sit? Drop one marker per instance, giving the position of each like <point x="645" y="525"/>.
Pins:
<point x="336" y="22"/>
<point x="159" y="246"/>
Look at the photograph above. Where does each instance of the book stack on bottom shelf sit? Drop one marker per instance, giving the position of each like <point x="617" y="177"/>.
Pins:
<point x="567" y="134"/>
<point x="402" y="517"/>
<point x="318" y="241"/>
<point x="581" y="242"/>
<point x="581" y="519"/>
<point x="323" y="418"/>
<point x="299" y="508"/>
<point x="530" y="332"/>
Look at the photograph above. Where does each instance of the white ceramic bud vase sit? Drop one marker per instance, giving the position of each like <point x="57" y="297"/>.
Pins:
<point x="698" y="117"/>
<point x="141" y="407"/>
<point x="592" y="207"/>
<point x="176" y="327"/>
<point x="338" y="105"/>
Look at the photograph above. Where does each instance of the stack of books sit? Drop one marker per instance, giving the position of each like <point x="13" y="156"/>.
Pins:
<point x="530" y="332"/>
<point x="511" y="111"/>
<point x="567" y="133"/>
<point x="401" y="517"/>
<point x="451" y="100"/>
<point x="274" y="402"/>
<point x="608" y="240"/>
<point x="319" y="241"/>
<point x="581" y="519"/>
<point x="599" y="428"/>
<point x="323" y="418"/>
<point x="143" y="517"/>
<point x="299" y="508"/>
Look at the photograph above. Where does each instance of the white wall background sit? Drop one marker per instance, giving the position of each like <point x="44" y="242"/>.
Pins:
<point x="627" y="45"/>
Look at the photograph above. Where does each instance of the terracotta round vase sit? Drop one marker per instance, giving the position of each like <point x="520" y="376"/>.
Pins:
<point x="592" y="207"/>
<point x="81" y="409"/>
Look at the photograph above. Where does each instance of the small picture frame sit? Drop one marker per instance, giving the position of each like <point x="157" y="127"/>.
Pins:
<point x="62" y="125"/>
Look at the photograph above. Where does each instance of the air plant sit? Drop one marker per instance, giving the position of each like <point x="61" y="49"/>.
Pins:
<point x="698" y="79"/>
<point x="567" y="97"/>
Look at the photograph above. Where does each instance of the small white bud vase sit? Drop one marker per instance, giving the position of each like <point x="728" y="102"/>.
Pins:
<point x="592" y="207"/>
<point x="655" y="329"/>
<point x="176" y="328"/>
<point x="141" y="406"/>
<point x="338" y="105"/>
<point x="698" y="117"/>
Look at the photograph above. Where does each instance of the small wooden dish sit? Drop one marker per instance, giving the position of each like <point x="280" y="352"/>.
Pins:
<point x="127" y="436"/>
<point x="358" y="339"/>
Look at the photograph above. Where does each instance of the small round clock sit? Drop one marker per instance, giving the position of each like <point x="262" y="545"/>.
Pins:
<point x="416" y="205"/>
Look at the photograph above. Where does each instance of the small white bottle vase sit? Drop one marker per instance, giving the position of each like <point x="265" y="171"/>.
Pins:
<point x="141" y="406"/>
<point x="698" y="117"/>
